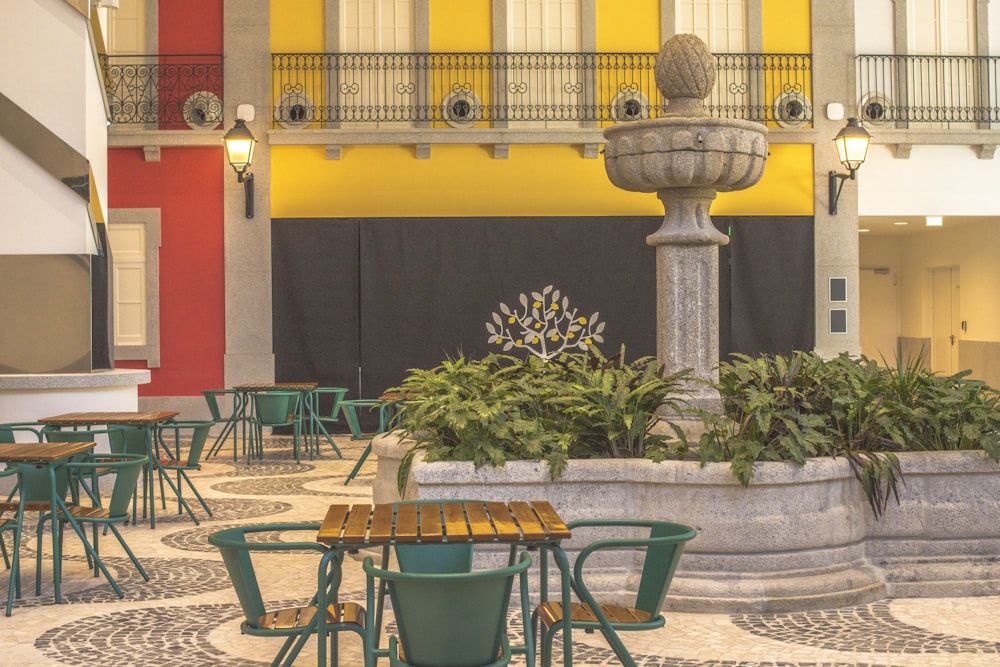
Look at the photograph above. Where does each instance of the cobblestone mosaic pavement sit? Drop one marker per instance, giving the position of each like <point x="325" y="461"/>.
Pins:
<point x="187" y="614"/>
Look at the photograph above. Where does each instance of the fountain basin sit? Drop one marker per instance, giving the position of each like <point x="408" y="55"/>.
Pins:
<point x="663" y="153"/>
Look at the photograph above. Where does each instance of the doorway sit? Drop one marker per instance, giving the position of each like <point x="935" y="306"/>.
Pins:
<point x="879" y="314"/>
<point x="946" y="320"/>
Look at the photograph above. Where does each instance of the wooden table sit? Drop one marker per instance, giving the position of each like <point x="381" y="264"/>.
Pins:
<point x="143" y="420"/>
<point x="44" y="455"/>
<point x="518" y="524"/>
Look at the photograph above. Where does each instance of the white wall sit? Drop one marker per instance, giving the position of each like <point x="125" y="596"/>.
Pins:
<point x="935" y="180"/>
<point x="55" y="81"/>
<point x="873" y="33"/>
<point x="48" y="41"/>
<point x="40" y="215"/>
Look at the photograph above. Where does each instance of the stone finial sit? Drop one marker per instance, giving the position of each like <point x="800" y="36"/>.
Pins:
<point x="685" y="74"/>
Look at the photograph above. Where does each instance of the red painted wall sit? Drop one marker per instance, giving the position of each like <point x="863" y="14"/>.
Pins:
<point x="187" y="27"/>
<point x="187" y="186"/>
<point x="190" y="26"/>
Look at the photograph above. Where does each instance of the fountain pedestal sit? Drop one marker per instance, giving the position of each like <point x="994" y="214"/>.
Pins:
<point x="686" y="157"/>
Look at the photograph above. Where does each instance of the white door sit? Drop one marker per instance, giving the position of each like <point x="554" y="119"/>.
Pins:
<point x="941" y="28"/>
<point x="541" y="87"/>
<point x="946" y="321"/>
<point x="879" y="311"/>
<point x="370" y="83"/>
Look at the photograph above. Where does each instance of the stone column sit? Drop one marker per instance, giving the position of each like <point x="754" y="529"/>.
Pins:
<point x="687" y="289"/>
<point x="249" y="350"/>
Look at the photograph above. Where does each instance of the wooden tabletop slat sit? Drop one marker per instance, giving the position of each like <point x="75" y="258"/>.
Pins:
<point x="381" y="530"/>
<point x="42" y="452"/>
<point x="455" y="527"/>
<point x="435" y="521"/>
<point x="554" y="525"/>
<point x="356" y="529"/>
<point x="531" y="527"/>
<point x="333" y="524"/>
<point x="290" y="386"/>
<point x="90" y="418"/>
<point x="503" y="523"/>
<point x="431" y="529"/>
<point x="479" y="523"/>
<point x="406" y="523"/>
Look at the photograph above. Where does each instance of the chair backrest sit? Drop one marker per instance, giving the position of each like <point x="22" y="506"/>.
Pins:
<point x="275" y="408"/>
<point x="235" y="549"/>
<point x="663" y="544"/>
<point x="116" y="436"/>
<point x="212" y="399"/>
<point x="126" y="469"/>
<point x="433" y="558"/>
<point x="337" y="393"/>
<point x="8" y="432"/>
<point x="450" y="620"/>
<point x="196" y="431"/>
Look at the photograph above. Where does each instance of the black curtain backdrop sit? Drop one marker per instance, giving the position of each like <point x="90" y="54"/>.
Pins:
<point x="358" y="302"/>
<point x="771" y="300"/>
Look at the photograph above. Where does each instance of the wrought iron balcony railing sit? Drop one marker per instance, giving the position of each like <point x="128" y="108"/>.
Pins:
<point x="326" y="90"/>
<point x="898" y="90"/>
<point x="165" y="91"/>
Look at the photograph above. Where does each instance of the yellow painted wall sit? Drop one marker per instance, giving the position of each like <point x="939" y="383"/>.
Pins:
<point x="786" y="26"/>
<point x="384" y="181"/>
<point x="460" y="25"/>
<point x="297" y="26"/>
<point x="628" y="25"/>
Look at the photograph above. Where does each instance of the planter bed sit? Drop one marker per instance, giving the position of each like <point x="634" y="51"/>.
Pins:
<point x="799" y="538"/>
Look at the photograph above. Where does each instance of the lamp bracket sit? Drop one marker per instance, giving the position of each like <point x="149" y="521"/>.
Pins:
<point x="835" y="188"/>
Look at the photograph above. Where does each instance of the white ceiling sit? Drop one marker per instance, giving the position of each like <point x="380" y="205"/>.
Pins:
<point x="886" y="225"/>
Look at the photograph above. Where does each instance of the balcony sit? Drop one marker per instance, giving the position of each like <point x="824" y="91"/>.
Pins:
<point x="928" y="92"/>
<point x="564" y="93"/>
<point x="164" y="92"/>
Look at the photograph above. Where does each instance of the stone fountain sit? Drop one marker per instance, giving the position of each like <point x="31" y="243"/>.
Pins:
<point x="686" y="157"/>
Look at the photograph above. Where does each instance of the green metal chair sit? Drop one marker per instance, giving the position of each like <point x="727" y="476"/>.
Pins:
<point x="115" y="436"/>
<point x="195" y="433"/>
<point x="126" y="469"/>
<point x="319" y="418"/>
<point x="296" y="624"/>
<point x="10" y="431"/>
<point x="447" y="620"/>
<point x="663" y="542"/>
<point x="274" y="408"/>
<point x="421" y="559"/>
<point x="387" y="411"/>
<point x="235" y="418"/>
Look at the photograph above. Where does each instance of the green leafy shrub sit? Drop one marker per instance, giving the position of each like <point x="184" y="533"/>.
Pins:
<point x="501" y="408"/>
<point x="794" y="407"/>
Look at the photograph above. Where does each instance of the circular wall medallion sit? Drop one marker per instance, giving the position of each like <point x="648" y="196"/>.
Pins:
<point x="629" y="105"/>
<point x="294" y="110"/>
<point x="202" y="110"/>
<point x="461" y="108"/>
<point x="792" y="109"/>
<point x="874" y="109"/>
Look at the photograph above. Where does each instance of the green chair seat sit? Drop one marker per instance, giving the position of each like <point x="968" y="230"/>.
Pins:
<point x="661" y="543"/>
<point x="296" y="624"/>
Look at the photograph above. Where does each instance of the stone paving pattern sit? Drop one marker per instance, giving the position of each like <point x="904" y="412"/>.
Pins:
<point x="187" y="614"/>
